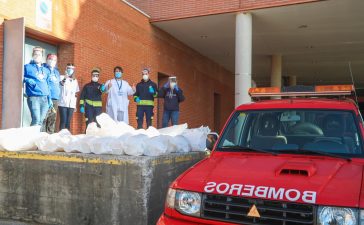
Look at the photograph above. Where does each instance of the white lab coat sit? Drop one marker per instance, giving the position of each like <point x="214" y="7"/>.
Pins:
<point x="68" y="93"/>
<point x="118" y="102"/>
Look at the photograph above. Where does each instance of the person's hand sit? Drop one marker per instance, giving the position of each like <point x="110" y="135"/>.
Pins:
<point x="151" y="90"/>
<point x="102" y="88"/>
<point x="82" y="109"/>
<point x="133" y="87"/>
<point x="137" y="99"/>
<point x="31" y="82"/>
<point x="166" y="85"/>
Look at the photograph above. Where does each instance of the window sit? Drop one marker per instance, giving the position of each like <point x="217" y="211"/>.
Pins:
<point x="331" y="131"/>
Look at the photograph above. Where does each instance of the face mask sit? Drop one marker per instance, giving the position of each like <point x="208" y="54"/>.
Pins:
<point x="95" y="79"/>
<point x="37" y="58"/>
<point x="70" y="71"/>
<point x="118" y="75"/>
<point x="51" y="63"/>
<point x="145" y="77"/>
<point x="173" y="84"/>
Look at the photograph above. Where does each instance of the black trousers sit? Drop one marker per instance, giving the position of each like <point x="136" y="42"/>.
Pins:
<point x="91" y="112"/>
<point x="148" y="111"/>
<point x="65" y="116"/>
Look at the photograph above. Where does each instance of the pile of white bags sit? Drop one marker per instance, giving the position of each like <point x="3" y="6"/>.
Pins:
<point x="112" y="137"/>
<point x="20" y="139"/>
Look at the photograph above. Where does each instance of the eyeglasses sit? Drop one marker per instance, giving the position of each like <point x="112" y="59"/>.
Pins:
<point x="95" y="74"/>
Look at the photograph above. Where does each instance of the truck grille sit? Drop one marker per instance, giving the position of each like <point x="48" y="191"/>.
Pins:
<point x="235" y="210"/>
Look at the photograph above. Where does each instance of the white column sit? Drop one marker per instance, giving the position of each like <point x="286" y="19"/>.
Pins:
<point x="276" y="71"/>
<point x="243" y="58"/>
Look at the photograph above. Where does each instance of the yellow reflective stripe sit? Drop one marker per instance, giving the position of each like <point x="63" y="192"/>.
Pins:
<point x="82" y="102"/>
<point x="94" y="103"/>
<point x="146" y="102"/>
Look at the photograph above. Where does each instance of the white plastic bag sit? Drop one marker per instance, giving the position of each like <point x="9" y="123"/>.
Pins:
<point x="118" y="145"/>
<point x="174" y="130"/>
<point x="54" y="142"/>
<point x="178" y="144"/>
<point x="123" y="128"/>
<point x="156" y="146"/>
<point x="108" y="127"/>
<point x="182" y="144"/>
<point x="74" y="144"/>
<point x="101" y="145"/>
<point x="105" y="121"/>
<point x="84" y="144"/>
<point x="92" y="129"/>
<point x="152" y="132"/>
<point x="135" y="145"/>
<point x="197" y="138"/>
<point x="20" y="139"/>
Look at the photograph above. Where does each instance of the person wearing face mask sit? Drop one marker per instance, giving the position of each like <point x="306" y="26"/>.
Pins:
<point x="91" y="101"/>
<point x="49" y="122"/>
<point x="117" y="100"/>
<point x="146" y="91"/>
<point x="173" y="96"/>
<point x="67" y="103"/>
<point x="36" y="88"/>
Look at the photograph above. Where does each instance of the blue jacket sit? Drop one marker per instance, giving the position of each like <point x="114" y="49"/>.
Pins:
<point x="172" y="98"/>
<point x="39" y="75"/>
<point x="53" y="82"/>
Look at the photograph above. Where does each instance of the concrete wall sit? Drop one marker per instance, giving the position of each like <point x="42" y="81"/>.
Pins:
<point x="76" y="189"/>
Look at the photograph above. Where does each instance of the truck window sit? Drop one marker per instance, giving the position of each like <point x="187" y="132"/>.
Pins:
<point x="332" y="131"/>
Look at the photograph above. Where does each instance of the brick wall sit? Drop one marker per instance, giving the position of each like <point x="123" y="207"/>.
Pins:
<point x="109" y="33"/>
<point x="166" y="9"/>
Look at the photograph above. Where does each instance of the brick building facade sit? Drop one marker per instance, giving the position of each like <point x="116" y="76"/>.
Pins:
<point x="110" y="33"/>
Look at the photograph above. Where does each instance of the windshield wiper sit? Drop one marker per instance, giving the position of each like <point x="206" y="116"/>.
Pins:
<point x="315" y="152"/>
<point x="237" y="147"/>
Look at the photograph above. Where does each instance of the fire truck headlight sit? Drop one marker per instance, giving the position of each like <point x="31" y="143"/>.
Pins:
<point x="171" y="197"/>
<point x="337" y="216"/>
<point x="188" y="203"/>
<point x="361" y="217"/>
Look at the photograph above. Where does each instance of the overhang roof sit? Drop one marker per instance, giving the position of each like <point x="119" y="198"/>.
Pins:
<point x="317" y="40"/>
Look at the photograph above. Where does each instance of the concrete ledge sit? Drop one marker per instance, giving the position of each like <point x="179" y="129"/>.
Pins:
<point x="64" y="188"/>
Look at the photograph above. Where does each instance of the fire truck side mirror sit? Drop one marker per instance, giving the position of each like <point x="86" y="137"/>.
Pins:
<point x="211" y="140"/>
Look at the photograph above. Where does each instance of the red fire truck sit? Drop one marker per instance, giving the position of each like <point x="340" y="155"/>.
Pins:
<point x="289" y="161"/>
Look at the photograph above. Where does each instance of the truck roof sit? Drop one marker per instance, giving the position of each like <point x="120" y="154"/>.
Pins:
<point x="302" y="103"/>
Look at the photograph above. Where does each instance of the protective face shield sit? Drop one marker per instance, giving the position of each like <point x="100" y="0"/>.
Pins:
<point x="172" y="85"/>
<point x="95" y="77"/>
<point x="172" y="82"/>
<point x="37" y="57"/>
<point x="118" y="75"/>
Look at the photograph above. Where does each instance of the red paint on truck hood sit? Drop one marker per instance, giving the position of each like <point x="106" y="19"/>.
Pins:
<point x="335" y="182"/>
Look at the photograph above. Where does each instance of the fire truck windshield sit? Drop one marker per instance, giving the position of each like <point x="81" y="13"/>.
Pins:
<point x="302" y="131"/>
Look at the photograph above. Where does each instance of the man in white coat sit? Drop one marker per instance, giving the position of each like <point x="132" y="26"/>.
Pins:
<point x="118" y="91"/>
